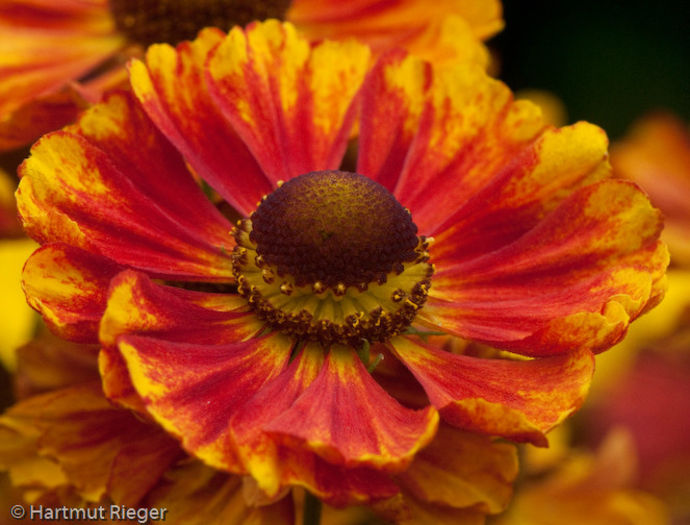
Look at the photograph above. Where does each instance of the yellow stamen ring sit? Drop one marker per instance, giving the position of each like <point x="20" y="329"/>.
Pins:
<point x="331" y="314"/>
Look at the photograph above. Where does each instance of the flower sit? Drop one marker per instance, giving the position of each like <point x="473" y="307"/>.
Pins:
<point x="265" y="348"/>
<point x="595" y="488"/>
<point x="657" y="387"/>
<point x="656" y="155"/>
<point x="49" y="45"/>
<point x="17" y="321"/>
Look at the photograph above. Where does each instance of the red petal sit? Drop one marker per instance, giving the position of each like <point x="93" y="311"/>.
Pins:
<point x="345" y="417"/>
<point x="532" y="184"/>
<point x="88" y="187"/>
<point x="171" y="88"/>
<point x="276" y="465"/>
<point x="258" y="450"/>
<point x="393" y="98"/>
<point x="137" y="305"/>
<point x="384" y="25"/>
<point x="337" y="486"/>
<point x="520" y="400"/>
<point x="68" y="286"/>
<point x="293" y="106"/>
<point x="574" y="281"/>
<point x="193" y="390"/>
<point x="466" y="130"/>
<point x="45" y="48"/>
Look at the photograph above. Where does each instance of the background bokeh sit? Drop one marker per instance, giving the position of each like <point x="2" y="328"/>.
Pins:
<point x="609" y="61"/>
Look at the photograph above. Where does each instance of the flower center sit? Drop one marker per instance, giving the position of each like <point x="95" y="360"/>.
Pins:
<point x="332" y="256"/>
<point x="150" y="21"/>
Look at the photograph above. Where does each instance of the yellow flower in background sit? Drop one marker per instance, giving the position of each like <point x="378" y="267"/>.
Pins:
<point x="17" y="319"/>
<point x="56" y="55"/>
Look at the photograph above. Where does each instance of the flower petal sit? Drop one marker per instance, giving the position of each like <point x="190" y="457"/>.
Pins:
<point x="535" y="182"/>
<point x="275" y="465"/>
<point x="460" y="469"/>
<point x="193" y="390"/>
<point x="91" y="186"/>
<point x="79" y="36"/>
<point x="35" y="118"/>
<point x="171" y="87"/>
<point x="68" y="286"/>
<point x="385" y="25"/>
<point x="437" y="136"/>
<point x="405" y="509"/>
<point x="470" y="129"/>
<point x="520" y="400"/>
<point x="49" y="363"/>
<point x="259" y="451"/>
<point x="101" y="449"/>
<point x="293" y="106"/>
<point x="119" y="125"/>
<point x="195" y="494"/>
<point x="137" y="305"/>
<point x="393" y="98"/>
<point x="345" y="417"/>
<point x="576" y="280"/>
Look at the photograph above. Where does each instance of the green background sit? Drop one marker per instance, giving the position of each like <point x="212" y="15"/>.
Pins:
<point x="609" y="61"/>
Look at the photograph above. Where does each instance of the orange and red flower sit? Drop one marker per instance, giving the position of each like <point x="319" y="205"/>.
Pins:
<point x="47" y="46"/>
<point x="257" y="346"/>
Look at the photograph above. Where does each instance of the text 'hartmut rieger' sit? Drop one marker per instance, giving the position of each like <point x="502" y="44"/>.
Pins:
<point x="100" y="513"/>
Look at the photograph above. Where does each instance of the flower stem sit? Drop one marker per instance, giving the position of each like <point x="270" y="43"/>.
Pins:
<point x="312" y="509"/>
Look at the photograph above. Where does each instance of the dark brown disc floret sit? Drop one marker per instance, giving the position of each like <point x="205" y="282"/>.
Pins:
<point x="334" y="227"/>
<point x="149" y="21"/>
